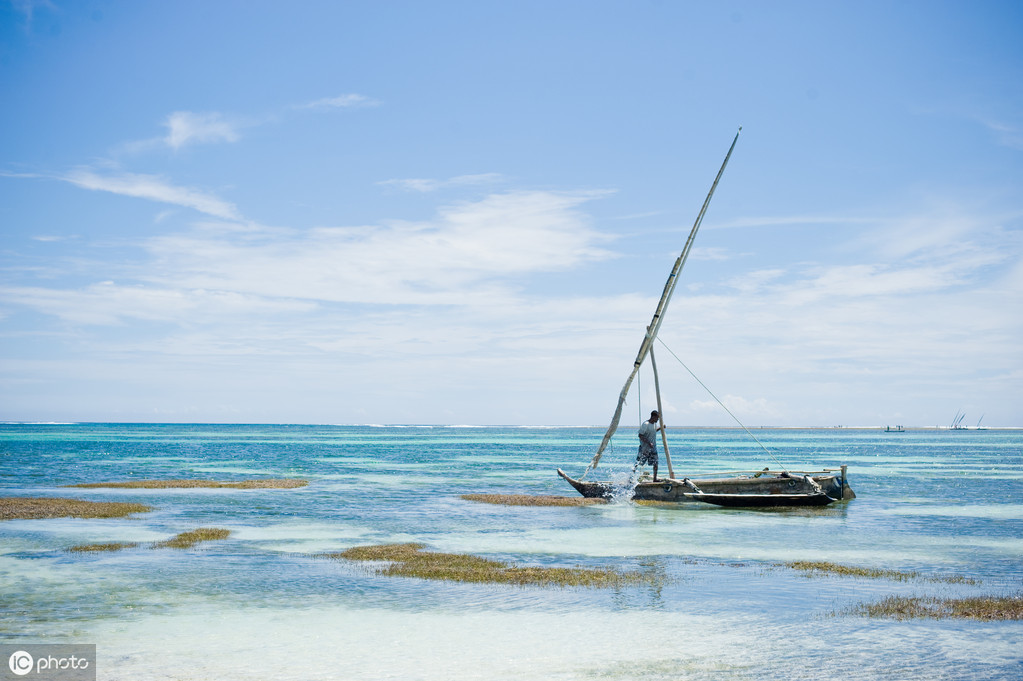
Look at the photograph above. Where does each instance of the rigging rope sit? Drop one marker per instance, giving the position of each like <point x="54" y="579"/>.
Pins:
<point x="709" y="392"/>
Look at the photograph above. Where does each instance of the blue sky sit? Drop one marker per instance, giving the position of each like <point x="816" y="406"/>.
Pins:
<point x="464" y="212"/>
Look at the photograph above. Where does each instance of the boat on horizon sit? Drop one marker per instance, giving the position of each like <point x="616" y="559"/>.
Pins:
<point x="761" y="488"/>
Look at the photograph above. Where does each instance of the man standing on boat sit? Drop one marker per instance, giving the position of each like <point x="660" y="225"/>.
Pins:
<point x="648" y="443"/>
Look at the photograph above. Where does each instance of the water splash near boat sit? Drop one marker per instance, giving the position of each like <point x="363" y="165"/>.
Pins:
<point x="623" y="486"/>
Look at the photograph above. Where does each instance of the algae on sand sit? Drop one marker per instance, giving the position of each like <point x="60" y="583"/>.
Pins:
<point x="37" y="508"/>
<point x="531" y="500"/>
<point x="184" y="540"/>
<point x="98" y="548"/>
<point x="187" y="540"/>
<point x="262" y="483"/>
<point x="819" y="568"/>
<point x="986" y="608"/>
<point x="410" y="560"/>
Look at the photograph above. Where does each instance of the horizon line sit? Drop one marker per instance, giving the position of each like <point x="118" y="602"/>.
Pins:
<point x="883" y="428"/>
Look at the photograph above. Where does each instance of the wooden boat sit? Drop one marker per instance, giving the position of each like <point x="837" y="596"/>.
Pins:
<point x="759" y="488"/>
<point x="753" y="488"/>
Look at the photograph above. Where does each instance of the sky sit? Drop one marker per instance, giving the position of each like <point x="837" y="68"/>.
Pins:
<point x="465" y="212"/>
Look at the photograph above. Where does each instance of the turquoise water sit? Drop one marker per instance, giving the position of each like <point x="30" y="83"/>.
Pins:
<point x="260" y="605"/>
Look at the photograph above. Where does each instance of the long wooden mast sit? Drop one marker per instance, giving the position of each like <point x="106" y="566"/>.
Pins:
<point x="662" y="306"/>
<point x="660" y="414"/>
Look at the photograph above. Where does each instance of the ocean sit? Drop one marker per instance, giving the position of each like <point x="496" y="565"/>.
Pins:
<point x="723" y="604"/>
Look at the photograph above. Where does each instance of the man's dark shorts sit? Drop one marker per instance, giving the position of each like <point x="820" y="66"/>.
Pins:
<point x="646" y="456"/>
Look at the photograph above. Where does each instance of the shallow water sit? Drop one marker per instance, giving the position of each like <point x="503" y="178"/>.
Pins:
<point x="262" y="605"/>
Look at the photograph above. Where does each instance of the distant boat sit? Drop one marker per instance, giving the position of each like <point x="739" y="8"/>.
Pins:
<point x="894" y="429"/>
<point x="742" y="489"/>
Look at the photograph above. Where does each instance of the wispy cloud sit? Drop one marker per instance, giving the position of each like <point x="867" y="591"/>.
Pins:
<point x="740" y="406"/>
<point x="107" y="303"/>
<point x="153" y="188"/>
<point x="429" y="185"/>
<point x="186" y="127"/>
<point x="946" y="230"/>
<point x="784" y="220"/>
<point x="715" y="254"/>
<point x="457" y="258"/>
<point x="925" y="253"/>
<point x="28" y="8"/>
<point x="346" y="101"/>
<point x="1007" y="135"/>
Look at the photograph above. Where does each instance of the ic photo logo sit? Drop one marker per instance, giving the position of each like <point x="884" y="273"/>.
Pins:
<point x="20" y="662"/>
<point x="48" y="661"/>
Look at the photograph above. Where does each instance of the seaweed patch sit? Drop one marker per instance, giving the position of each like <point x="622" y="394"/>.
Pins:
<point x="184" y="540"/>
<point x="821" y="568"/>
<point x="39" y="508"/>
<point x="532" y="500"/>
<point x="187" y="540"/>
<point x="410" y="560"/>
<point x="263" y="483"/>
<point x="986" y="608"/>
<point x="98" y="548"/>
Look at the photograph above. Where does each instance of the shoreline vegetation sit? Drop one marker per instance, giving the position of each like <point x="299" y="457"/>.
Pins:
<point x="263" y="483"/>
<point x="410" y="560"/>
<point x="824" y="568"/>
<point x="983" y="608"/>
<point x="531" y="500"/>
<point x="40" y="508"/>
<point x="183" y="540"/>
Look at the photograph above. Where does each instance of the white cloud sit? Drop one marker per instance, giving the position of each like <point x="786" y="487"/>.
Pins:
<point x="945" y="231"/>
<point x="28" y="9"/>
<point x="107" y="303"/>
<point x="711" y="254"/>
<point x="929" y="321"/>
<point x="1007" y="135"/>
<point x="459" y="258"/>
<point x="782" y="221"/>
<point x="186" y="127"/>
<point x="346" y="101"/>
<point x="756" y="280"/>
<point x="418" y="318"/>
<point x="155" y="189"/>
<point x="740" y="406"/>
<point x="843" y="282"/>
<point x="429" y="185"/>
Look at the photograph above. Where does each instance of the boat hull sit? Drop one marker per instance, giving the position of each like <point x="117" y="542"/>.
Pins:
<point x="764" y="500"/>
<point x="767" y="489"/>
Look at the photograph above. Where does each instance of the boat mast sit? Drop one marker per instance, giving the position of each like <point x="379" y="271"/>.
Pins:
<point x="660" y="414"/>
<point x="662" y="306"/>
